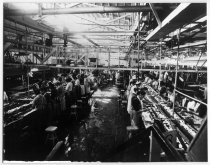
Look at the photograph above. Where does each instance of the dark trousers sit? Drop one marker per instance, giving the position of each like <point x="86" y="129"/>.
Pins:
<point x="137" y="120"/>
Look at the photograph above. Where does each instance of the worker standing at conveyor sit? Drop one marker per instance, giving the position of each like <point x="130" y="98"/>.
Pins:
<point x="130" y="94"/>
<point x="137" y="109"/>
<point x="39" y="103"/>
<point x="69" y="91"/>
<point x="61" y="95"/>
<point x="129" y="97"/>
<point x="87" y="85"/>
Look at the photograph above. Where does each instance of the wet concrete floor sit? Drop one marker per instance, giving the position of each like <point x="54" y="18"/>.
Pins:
<point x="106" y="127"/>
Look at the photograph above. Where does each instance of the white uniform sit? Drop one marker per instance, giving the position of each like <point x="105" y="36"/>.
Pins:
<point x="191" y="105"/>
<point x="69" y="87"/>
<point x="171" y="97"/>
<point x="129" y="107"/>
<point x="5" y="96"/>
<point x="165" y="76"/>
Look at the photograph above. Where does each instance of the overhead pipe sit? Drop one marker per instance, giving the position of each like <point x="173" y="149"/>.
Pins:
<point x="26" y="21"/>
<point x="83" y="10"/>
<point x="115" y="32"/>
<point x="20" y="31"/>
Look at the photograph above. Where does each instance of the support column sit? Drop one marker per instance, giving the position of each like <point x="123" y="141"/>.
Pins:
<point x="129" y="58"/>
<point x="88" y="61"/>
<point x="26" y="36"/>
<point x="160" y="58"/>
<point x="28" y="84"/>
<point x="177" y="65"/>
<point x="86" y="58"/>
<point x="119" y="58"/>
<point x="109" y="58"/>
<point x="197" y="66"/>
<point x="44" y="51"/>
<point x="59" y="57"/>
<point x="97" y="52"/>
<point x="138" y="42"/>
<point x="141" y="59"/>
<point x="132" y="58"/>
<point x="64" y="55"/>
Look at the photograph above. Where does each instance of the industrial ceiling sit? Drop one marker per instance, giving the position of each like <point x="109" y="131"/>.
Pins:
<point x="125" y="27"/>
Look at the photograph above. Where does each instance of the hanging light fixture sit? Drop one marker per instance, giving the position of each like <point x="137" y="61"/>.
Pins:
<point x="58" y="66"/>
<point x="34" y="69"/>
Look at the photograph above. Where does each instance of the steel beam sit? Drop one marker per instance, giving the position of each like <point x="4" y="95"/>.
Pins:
<point x="49" y="55"/>
<point x="91" y="48"/>
<point x="92" y="42"/>
<point x="155" y="13"/>
<point x="7" y="45"/>
<point x="110" y="45"/>
<point x="38" y="57"/>
<point x="190" y="97"/>
<point x="75" y="43"/>
<point x="103" y="24"/>
<point x="132" y="69"/>
<point x="109" y="39"/>
<point x="182" y="15"/>
<point x="99" y="34"/>
<point x="8" y="29"/>
<point x="26" y="21"/>
<point x="98" y="23"/>
<point x="105" y="27"/>
<point x="81" y="58"/>
<point x="203" y="63"/>
<point x="116" y="19"/>
<point x="75" y="5"/>
<point x="191" y="44"/>
<point x="84" y="10"/>
<point x="107" y="34"/>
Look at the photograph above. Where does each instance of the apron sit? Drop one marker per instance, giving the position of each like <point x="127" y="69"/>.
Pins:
<point x="129" y="106"/>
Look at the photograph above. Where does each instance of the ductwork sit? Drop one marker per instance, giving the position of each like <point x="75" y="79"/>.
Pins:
<point x="84" y="10"/>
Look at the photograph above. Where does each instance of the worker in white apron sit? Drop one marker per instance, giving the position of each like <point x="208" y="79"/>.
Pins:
<point x="133" y="91"/>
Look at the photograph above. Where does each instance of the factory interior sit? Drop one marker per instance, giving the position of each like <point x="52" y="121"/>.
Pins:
<point x="104" y="82"/>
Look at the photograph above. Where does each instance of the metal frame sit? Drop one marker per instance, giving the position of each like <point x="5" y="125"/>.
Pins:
<point x="190" y="97"/>
<point x="116" y="32"/>
<point x="131" y="69"/>
<point x="155" y="13"/>
<point x="175" y="20"/>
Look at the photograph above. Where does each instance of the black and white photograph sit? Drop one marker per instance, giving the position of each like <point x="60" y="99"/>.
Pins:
<point x="104" y="82"/>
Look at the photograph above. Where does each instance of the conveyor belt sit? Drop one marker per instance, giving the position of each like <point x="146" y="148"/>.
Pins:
<point x="186" y="129"/>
